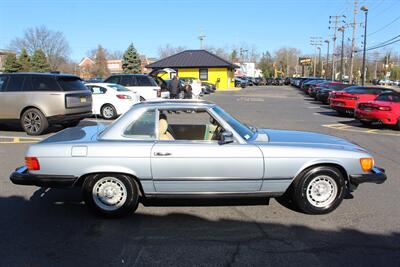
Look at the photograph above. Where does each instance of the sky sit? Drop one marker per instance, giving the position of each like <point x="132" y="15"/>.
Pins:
<point x="266" y="25"/>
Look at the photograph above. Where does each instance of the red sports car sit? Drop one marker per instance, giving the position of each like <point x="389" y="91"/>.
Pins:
<point x="344" y="102"/>
<point x="384" y="109"/>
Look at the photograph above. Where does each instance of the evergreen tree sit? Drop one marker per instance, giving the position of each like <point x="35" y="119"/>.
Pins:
<point x="131" y="62"/>
<point x="39" y="62"/>
<point x="234" y="56"/>
<point x="11" y="63"/>
<point x="24" y="61"/>
<point x="100" y="68"/>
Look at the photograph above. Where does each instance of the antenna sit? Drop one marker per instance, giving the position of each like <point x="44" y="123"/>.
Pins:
<point x="201" y="38"/>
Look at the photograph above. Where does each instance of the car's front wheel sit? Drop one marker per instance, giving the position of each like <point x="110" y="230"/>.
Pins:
<point x="319" y="190"/>
<point x="34" y="122"/>
<point x="111" y="195"/>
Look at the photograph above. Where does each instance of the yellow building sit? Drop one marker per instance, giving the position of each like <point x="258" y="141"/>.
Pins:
<point x="199" y="64"/>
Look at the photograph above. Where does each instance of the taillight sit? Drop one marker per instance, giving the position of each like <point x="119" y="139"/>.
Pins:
<point x="383" y="108"/>
<point x="32" y="163"/>
<point x="158" y="93"/>
<point x="124" y="96"/>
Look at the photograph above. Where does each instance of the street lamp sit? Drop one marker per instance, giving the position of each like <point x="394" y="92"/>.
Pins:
<point x="319" y="60"/>
<point x="365" y="9"/>
<point x="342" y="29"/>
<point x="327" y="59"/>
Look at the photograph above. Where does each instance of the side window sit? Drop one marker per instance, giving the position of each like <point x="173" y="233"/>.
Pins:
<point x="190" y="124"/>
<point x="144" y="127"/>
<point x="143" y="81"/>
<point x="45" y="83"/>
<point x="128" y="80"/>
<point x="16" y="83"/>
<point x="203" y="74"/>
<point x="3" y="82"/>
<point x="97" y="90"/>
<point x="113" y="79"/>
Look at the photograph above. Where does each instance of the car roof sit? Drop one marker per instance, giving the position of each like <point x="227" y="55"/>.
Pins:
<point x="43" y="74"/>
<point x="177" y="102"/>
<point x="101" y="84"/>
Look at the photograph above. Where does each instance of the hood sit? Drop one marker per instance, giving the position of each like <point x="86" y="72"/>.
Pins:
<point x="77" y="134"/>
<point x="306" y="138"/>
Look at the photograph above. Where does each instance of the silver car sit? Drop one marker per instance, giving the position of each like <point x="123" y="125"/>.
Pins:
<point x="191" y="149"/>
<point x="39" y="100"/>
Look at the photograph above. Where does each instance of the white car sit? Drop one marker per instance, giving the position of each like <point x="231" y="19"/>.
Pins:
<point x="111" y="100"/>
<point x="143" y="84"/>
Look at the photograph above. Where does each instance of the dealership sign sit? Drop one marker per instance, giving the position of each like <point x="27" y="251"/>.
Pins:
<point x="305" y="61"/>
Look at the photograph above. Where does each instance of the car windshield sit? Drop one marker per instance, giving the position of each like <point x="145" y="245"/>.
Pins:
<point x="119" y="88"/>
<point x="245" y="132"/>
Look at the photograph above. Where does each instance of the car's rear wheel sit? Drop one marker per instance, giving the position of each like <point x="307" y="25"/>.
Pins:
<point x="33" y="122"/>
<point x="108" y="112"/>
<point x="319" y="190"/>
<point x="111" y="195"/>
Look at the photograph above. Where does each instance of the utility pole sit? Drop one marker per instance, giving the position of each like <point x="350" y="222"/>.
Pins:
<point x="327" y="59"/>
<point x="342" y="29"/>
<point x="316" y="42"/>
<point x="319" y="60"/>
<point x="364" y="72"/>
<point x="353" y="40"/>
<point x="334" y="20"/>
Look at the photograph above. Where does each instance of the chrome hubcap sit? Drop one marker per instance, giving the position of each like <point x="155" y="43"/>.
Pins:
<point x="108" y="112"/>
<point x="322" y="191"/>
<point x="109" y="193"/>
<point x="32" y="122"/>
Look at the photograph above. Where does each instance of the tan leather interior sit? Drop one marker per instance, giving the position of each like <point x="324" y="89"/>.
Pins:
<point x="163" y="130"/>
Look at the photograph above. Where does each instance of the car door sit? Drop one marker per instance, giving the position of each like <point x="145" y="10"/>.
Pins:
<point x="206" y="166"/>
<point x="99" y="97"/>
<point x="13" y="96"/>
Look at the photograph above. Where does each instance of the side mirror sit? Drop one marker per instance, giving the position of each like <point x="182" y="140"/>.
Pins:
<point x="226" y="138"/>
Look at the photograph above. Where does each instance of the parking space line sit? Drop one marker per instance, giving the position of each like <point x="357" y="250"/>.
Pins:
<point x="18" y="140"/>
<point x="351" y="128"/>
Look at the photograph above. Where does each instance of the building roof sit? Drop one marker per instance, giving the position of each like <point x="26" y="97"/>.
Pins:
<point x="192" y="59"/>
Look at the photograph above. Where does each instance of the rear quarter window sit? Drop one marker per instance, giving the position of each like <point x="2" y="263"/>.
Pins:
<point x="68" y="84"/>
<point x="45" y="83"/>
<point x="3" y="82"/>
<point x="145" y="81"/>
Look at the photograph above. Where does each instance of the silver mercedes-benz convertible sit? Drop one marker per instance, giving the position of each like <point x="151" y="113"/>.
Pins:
<point x="192" y="149"/>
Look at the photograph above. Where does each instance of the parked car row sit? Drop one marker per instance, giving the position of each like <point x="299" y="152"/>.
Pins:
<point x="386" y="82"/>
<point x="368" y="104"/>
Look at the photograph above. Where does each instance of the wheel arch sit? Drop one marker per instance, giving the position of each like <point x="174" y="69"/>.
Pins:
<point x="29" y="107"/>
<point x="308" y="167"/>
<point x="80" y="182"/>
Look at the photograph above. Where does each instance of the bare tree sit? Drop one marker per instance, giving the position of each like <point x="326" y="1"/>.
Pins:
<point x="53" y="44"/>
<point x="219" y="51"/>
<point x="117" y="54"/>
<point x="286" y="59"/>
<point x="169" y="50"/>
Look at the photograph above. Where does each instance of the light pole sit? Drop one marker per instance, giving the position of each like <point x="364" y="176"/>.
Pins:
<point x="319" y="60"/>
<point x="327" y="59"/>
<point x="342" y="29"/>
<point x="365" y="9"/>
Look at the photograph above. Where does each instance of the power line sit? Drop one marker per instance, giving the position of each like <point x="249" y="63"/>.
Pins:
<point x="383" y="44"/>
<point x="387" y="25"/>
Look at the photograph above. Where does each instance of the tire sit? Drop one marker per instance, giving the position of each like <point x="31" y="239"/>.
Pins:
<point x="328" y="180"/>
<point x="142" y="99"/>
<point x="33" y="122"/>
<point x="108" y="112"/>
<point x="123" y="195"/>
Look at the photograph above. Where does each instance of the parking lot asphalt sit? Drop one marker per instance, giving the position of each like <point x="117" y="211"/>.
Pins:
<point x="51" y="227"/>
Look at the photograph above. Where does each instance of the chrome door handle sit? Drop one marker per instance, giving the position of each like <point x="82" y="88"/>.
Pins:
<point x="162" y="154"/>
